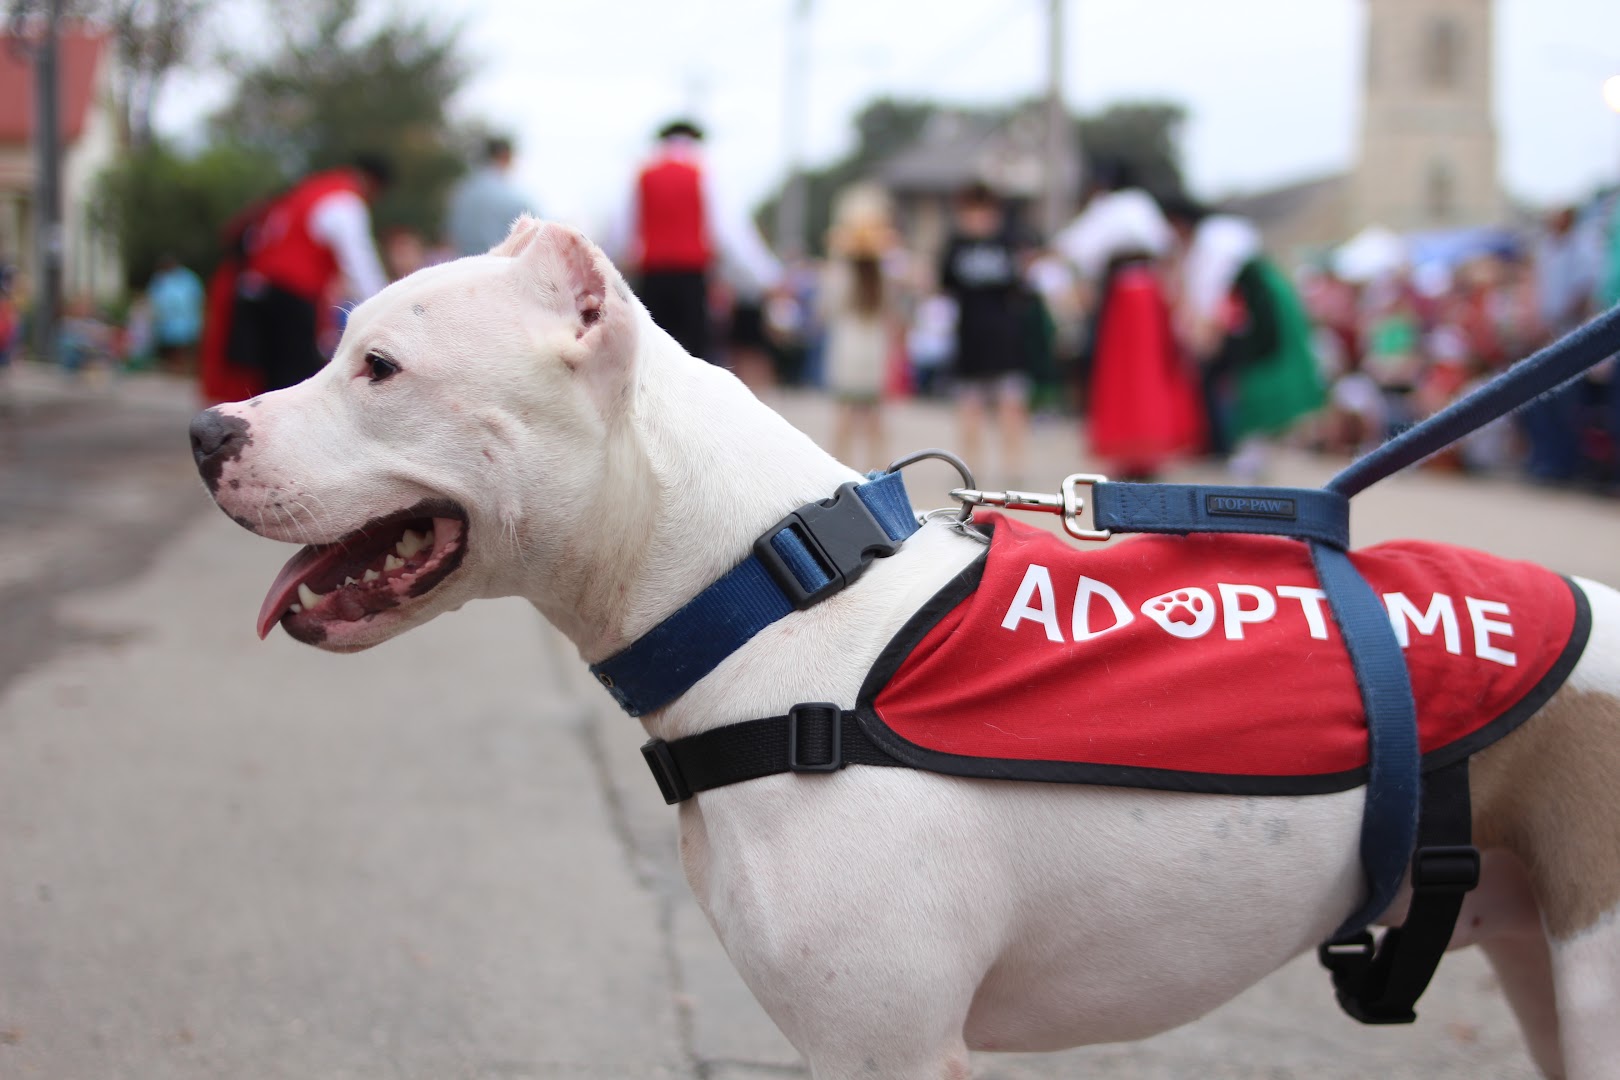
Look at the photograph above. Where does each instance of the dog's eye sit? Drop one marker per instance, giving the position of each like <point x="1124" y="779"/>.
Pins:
<point x="380" y="367"/>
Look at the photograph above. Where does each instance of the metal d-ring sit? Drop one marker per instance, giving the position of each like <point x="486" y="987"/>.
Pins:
<point x="948" y="458"/>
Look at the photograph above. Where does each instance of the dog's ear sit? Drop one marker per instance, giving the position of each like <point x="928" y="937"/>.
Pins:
<point x="518" y="237"/>
<point x="572" y="278"/>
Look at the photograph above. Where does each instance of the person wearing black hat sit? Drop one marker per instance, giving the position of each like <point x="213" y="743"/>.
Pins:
<point x="674" y="234"/>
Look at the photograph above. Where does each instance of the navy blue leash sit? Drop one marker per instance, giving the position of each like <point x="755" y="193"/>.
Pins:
<point x="1394" y="785"/>
<point x="1547" y="369"/>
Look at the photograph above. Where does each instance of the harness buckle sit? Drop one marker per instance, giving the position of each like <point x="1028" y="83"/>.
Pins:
<point x="802" y="737"/>
<point x="841" y="537"/>
<point x="1354" y="964"/>
<point x="1445" y="868"/>
<point x="1348" y="958"/>
<point x="671" y="784"/>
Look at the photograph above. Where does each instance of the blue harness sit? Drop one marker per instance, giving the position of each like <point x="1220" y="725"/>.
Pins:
<point x="1409" y="821"/>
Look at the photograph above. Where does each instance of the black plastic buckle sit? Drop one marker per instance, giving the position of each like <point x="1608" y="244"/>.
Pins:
<point x="1445" y="868"/>
<point x="1348" y="960"/>
<point x="814" y="711"/>
<point x="843" y="537"/>
<point x="1359" y="967"/>
<point x="662" y="763"/>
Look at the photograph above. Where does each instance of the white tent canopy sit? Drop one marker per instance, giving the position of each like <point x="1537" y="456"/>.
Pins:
<point x="1372" y="253"/>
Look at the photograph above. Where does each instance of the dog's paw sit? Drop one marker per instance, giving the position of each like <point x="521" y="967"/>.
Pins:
<point x="1185" y="613"/>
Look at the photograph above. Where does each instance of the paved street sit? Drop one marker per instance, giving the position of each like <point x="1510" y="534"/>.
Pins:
<point x="444" y="858"/>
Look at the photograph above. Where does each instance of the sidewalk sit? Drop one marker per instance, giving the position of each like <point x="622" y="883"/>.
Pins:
<point x="444" y="858"/>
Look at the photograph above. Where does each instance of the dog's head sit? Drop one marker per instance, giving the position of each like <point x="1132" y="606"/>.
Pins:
<point x="404" y="463"/>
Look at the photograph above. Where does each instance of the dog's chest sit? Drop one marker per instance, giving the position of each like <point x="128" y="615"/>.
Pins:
<point x="1207" y="663"/>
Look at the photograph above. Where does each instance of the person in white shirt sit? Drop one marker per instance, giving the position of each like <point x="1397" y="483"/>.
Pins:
<point x="309" y="249"/>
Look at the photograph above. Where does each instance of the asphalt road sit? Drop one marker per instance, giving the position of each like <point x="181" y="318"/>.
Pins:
<point x="444" y="858"/>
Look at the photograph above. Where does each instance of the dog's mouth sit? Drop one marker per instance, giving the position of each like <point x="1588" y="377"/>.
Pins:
<point x="385" y="563"/>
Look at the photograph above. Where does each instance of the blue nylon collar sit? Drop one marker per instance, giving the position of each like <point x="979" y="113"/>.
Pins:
<point x="807" y="556"/>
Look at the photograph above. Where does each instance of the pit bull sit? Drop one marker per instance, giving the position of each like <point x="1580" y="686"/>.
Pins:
<point x="513" y="424"/>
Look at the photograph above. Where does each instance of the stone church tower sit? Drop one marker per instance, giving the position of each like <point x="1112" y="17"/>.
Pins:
<point x="1427" y="157"/>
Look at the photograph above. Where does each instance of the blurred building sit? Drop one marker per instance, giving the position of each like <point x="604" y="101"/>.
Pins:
<point x="1428" y="136"/>
<point x="91" y="267"/>
<point x="960" y="147"/>
<point x="1427" y="151"/>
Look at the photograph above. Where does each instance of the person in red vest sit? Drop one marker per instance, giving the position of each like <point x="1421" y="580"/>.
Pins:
<point x="299" y="255"/>
<point x="674" y="233"/>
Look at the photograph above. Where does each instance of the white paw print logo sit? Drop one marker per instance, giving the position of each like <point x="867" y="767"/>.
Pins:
<point x="1183" y="613"/>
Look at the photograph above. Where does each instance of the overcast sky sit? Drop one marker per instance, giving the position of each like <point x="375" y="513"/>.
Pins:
<point x="1271" y="85"/>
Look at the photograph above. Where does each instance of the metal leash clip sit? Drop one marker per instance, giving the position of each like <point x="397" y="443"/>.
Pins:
<point x="1069" y="503"/>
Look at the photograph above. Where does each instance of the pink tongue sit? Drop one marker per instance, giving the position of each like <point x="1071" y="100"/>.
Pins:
<point x="284" y="590"/>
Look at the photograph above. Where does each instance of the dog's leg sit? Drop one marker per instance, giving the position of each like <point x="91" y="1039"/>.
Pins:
<point x="1523" y="966"/>
<point x="1586" y="972"/>
<point x="1547" y="794"/>
<point x="1503" y="918"/>
<point x="840" y="1064"/>
<point x="843" y="918"/>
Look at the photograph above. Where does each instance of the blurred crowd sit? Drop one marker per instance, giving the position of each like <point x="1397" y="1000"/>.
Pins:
<point x="1400" y="337"/>
<point x="1163" y="323"/>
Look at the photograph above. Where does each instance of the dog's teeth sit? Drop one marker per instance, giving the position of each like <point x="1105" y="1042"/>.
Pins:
<point x="297" y="609"/>
<point x="370" y="575"/>
<point x="308" y="596"/>
<point x="427" y="539"/>
<point x="350" y="581"/>
<point x="392" y="563"/>
<point x="409" y="544"/>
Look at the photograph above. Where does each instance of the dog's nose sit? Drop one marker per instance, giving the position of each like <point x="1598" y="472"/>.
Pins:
<point x="216" y="439"/>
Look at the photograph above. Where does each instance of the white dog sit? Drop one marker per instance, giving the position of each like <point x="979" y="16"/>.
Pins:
<point x="514" y="424"/>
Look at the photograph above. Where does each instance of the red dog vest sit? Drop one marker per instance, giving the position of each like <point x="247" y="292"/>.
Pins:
<point x="1207" y="663"/>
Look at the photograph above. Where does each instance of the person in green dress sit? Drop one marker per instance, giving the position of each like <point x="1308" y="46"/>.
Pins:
<point x="1244" y="322"/>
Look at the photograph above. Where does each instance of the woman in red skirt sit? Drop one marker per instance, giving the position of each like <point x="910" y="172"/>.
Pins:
<point x="1143" y="405"/>
<point x="1142" y="402"/>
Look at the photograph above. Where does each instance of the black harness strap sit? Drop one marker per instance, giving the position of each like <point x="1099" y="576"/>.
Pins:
<point x="815" y="737"/>
<point x="1376" y="982"/>
<point x="1380" y="985"/>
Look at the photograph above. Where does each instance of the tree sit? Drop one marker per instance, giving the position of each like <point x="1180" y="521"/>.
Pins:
<point x="1142" y="136"/>
<point x="152" y="37"/>
<point x="882" y="129"/>
<point x="332" y="90"/>
<point x="157" y="201"/>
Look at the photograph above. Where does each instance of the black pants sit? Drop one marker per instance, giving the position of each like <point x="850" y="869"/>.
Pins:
<point x="274" y="331"/>
<point x="678" y="301"/>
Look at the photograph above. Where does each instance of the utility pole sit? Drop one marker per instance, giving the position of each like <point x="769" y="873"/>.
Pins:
<point x="791" y="208"/>
<point x="1055" y="179"/>
<point x="48" y="192"/>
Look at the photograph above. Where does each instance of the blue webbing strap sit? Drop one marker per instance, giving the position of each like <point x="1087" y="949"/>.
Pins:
<point x="1394" y="783"/>
<point x="1394" y="766"/>
<point x="1554" y="365"/>
<point x="670" y="658"/>
<point x="1303" y="513"/>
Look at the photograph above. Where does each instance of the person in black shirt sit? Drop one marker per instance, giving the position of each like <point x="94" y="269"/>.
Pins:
<point x="980" y="271"/>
